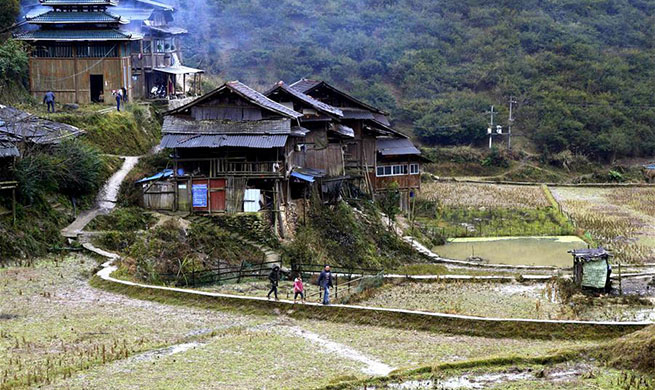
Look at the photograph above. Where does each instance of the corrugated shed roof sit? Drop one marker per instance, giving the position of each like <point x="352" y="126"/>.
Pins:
<point x="248" y="94"/>
<point x="222" y="140"/>
<point x="22" y="126"/>
<point x="396" y="147"/>
<point x="77" y="35"/>
<point x="318" y="105"/>
<point x="174" y="124"/>
<point x="53" y="17"/>
<point x="590" y="254"/>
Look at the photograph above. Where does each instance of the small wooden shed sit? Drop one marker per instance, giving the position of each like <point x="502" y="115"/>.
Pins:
<point x="591" y="268"/>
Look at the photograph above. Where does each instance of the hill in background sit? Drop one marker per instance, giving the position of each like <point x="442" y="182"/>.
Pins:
<point x="583" y="71"/>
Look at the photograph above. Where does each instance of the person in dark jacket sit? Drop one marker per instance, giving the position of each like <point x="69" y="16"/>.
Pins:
<point x="274" y="278"/>
<point x="119" y="98"/>
<point x="49" y="101"/>
<point x="325" y="282"/>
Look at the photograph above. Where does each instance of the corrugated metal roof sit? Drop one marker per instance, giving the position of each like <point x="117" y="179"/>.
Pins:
<point x="222" y="140"/>
<point x="75" y="18"/>
<point x="245" y="92"/>
<point x="318" y="105"/>
<point x="177" y="125"/>
<point x="396" y="147"/>
<point x="22" y="126"/>
<point x="77" y="35"/>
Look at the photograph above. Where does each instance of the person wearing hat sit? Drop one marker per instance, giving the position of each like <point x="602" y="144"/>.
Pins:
<point x="274" y="278"/>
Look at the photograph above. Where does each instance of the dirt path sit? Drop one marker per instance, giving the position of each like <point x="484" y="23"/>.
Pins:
<point x="105" y="201"/>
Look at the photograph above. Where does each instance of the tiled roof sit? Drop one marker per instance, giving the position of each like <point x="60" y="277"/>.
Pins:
<point x="77" y="35"/>
<point x="177" y="125"/>
<point x="318" y="105"/>
<point x="260" y="99"/>
<point x="248" y="94"/>
<point x="75" y="17"/>
<point x="77" y="2"/>
<point x="222" y="140"/>
<point x="305" y="86"/>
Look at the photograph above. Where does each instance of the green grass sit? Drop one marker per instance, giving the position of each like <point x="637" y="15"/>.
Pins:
<point x="54" y="324"/>
<point x="129" y="132"/>
<point x="128" y="219"/>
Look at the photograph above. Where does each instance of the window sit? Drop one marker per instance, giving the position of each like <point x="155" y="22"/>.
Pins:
<point x="393" y="170"/>
<point x="413" y="169"/>
<point x="60" y="51"/>
<point x="147" y="47"/>
<point x="96" y="51"/>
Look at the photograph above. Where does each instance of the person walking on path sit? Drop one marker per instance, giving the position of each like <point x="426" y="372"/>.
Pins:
<point x="325" y="282"/>
<point x="49" y="101"/>
<point x="119" y="98"/>
<point x="274" y="278"/>
<point x="298" y="289"/>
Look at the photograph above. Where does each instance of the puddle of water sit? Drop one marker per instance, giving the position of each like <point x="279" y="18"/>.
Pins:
<point x="551" y="251"/>
<point x="157" y="353"/>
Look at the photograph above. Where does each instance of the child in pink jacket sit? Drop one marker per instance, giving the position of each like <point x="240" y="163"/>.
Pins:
<point x="298" y="289"/>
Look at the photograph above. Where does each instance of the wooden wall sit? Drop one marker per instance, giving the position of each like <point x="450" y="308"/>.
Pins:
<point x="404" y="181"/>
<point x="69" y="78"/>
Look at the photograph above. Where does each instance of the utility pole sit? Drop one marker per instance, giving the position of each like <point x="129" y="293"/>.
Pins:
<point x="512" y="102"/>
<point x="491" y="125"/>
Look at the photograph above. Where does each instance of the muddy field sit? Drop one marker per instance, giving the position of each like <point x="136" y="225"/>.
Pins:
<point x="60" y="333"/>
<point x="508" y="300"/>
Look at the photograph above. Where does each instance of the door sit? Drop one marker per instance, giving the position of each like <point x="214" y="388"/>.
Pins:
<point x="217" y="194"/>
<point x="96" y="84"/>
<point x="183" y="196"/>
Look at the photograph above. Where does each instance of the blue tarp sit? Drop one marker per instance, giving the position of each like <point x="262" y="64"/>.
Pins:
<point x="161" y="175"/>
<point x="302" y="176"/>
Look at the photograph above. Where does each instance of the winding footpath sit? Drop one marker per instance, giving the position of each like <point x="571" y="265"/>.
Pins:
<point x="105" y="201"/>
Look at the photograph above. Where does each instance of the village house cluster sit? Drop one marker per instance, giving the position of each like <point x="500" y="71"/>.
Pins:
<point x="236" y="149"/>
<point x="82" y="50"/>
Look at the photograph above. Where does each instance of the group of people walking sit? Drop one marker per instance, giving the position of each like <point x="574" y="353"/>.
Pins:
<point x="324" y="281"/>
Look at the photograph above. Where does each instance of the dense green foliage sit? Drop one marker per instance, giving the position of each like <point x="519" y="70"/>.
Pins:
<point x="123" y="219"/>
<point x="71" y="168"/>
<point x="583" y="71"/>
<point x="169" y="252"/>
<point x="9" y="10"/>
<point x="339" y="236"/>
<point x="130" y="132"/>
<point x="13" y="70"/>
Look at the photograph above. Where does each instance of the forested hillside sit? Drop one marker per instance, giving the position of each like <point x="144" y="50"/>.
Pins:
<point x="583" y="71"/>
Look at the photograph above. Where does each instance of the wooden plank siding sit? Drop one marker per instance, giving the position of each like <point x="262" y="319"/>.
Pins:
<point x="59" y="75"/>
